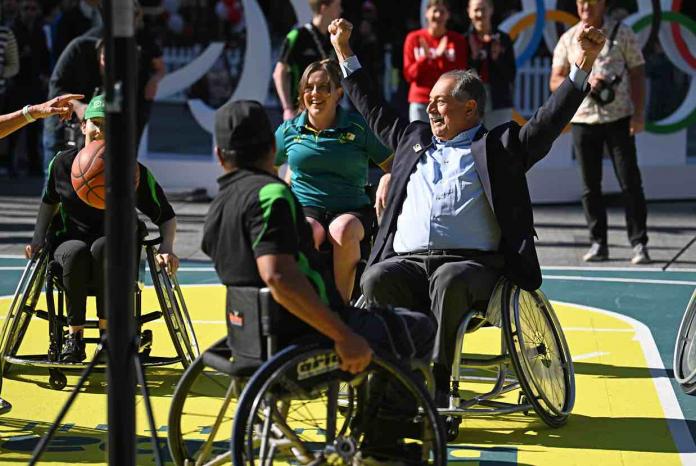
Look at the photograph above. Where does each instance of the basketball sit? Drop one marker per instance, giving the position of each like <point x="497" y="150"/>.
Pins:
<point x="88" y="176"/>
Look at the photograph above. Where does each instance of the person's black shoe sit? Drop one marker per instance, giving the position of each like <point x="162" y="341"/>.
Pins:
<point x="5" y="406"/>
<point x="73" y="349"/>
<point x="597" y="253"/>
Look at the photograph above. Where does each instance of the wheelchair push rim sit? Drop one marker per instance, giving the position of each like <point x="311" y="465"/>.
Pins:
<point x="191" y="415"/>
<point x="685" y="349"/>
<point x="299" y="382"/>
<point x="540" y="355"/>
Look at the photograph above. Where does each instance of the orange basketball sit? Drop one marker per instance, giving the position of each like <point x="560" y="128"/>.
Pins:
<point x="87" y="174"/>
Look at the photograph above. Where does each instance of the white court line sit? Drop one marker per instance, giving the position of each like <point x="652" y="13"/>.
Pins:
<point x="618" y="269"/>
<point x="665" y="392"/>
<point x="592" y="329"/>
<point x="619" y="280"/>
<point x="12" y="268"/>
<point x="583" y="357"/>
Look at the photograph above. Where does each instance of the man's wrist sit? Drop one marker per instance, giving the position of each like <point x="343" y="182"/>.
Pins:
<point x="343" y="53"/>
<point x="585" y="62"/>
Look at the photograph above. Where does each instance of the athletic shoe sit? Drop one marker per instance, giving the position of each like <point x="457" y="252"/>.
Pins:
<point x="597" y="253"/>
<point x="73" y="349"/>
<point x="640" y="255"/>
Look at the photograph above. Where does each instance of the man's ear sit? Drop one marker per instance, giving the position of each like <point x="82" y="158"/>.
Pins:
<point x="218" y="154"/>
<point x="83" y="126"/>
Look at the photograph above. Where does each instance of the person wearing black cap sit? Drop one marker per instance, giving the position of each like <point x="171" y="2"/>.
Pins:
<point x="257" y="236"/>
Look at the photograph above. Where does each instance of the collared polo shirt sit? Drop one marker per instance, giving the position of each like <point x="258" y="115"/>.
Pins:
<point x="329" y="167"/>
<point x="445" y="205"/>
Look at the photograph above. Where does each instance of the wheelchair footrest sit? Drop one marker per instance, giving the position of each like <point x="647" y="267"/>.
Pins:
<point x="149" y="317"/>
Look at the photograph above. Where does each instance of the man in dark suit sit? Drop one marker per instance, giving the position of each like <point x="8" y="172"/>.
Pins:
<point x="458" y="211"/>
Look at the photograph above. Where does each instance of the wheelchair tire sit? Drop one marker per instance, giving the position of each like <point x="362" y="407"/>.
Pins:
<point x="299" y="375"/>
<point x="20" y="311"/>
<point x="198" y="385"/>
<point x="685" y="349"/>
<point x="57" y="379"/>
<point x="539" y="354"/>
<point x="184" y="343"/>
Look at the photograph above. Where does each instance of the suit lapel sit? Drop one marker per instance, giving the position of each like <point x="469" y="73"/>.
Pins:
<point x="478" y="151"/>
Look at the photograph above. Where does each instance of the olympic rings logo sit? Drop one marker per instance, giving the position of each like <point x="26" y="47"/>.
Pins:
<point x="540" y="16"/>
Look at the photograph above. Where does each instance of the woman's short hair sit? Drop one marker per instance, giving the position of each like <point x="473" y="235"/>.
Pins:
<point x="332" y="71"/>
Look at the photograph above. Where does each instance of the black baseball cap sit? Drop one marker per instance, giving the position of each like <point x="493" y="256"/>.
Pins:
<point x="242" y="125"/>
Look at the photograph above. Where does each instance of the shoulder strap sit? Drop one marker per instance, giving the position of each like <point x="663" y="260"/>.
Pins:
<point x="613" y="34"/>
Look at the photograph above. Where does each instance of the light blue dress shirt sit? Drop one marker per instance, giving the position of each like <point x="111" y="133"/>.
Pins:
<point x="446" y="206"/>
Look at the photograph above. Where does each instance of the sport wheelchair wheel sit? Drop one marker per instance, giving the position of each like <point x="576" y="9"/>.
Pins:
<point x="202" y="408"/>
<point x="685" y="349"/>
<point x="539" y="354"/>
<point x="301" y="408"/>
<point x="174" y="309"/>
<point x="21" y="308"/>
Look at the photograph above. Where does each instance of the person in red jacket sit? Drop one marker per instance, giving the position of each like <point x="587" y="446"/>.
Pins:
<point x="430" y="52"/>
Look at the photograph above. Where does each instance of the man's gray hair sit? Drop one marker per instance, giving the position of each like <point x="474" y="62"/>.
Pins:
<point x="468" y="85"/>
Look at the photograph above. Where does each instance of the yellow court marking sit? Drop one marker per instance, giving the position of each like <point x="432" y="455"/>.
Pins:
<point x="622" y="399"/>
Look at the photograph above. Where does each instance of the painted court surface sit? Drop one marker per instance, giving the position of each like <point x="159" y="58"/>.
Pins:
<point x="620" y="326"/>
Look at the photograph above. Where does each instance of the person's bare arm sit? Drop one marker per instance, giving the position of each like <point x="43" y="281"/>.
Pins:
<point x="281" y="79"/>
<point x="558" y="75"/>
<point x="636" y="76"/>
<point x="58" y="106"/>
<point x="160" y="71"/>
<point x="291" y="289"/>
<point x="165" y="254"/>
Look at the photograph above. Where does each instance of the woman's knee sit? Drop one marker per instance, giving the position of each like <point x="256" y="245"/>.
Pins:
<point x="98" y="250"/>
<point x="346" y="229"/>
<point x="318" y="233"/>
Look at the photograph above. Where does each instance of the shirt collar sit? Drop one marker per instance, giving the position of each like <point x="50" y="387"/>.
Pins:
<point x="342" y="119"/>
<point x="463" y="139"/>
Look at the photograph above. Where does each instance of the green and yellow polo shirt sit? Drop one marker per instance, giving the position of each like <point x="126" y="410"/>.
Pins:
<point x="329" y="167"/>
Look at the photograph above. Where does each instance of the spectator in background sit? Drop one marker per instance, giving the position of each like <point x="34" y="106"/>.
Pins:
<point x="492" y="56"/>
<point x="31" y="84"/>
<point x="428" y="53"/>
<point x="10" y="11"/>
<point x="611" y="115"/>
<point x="9" y="60"/>
<point x="151" y="70"/>
<point x="77" y="71"/>
<point x="302" y="46"/>
<point x="75" y="21"/>
<point x="368" y="45"/>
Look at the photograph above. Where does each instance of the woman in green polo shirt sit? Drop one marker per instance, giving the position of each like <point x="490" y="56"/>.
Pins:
<point x="328" y="150"/>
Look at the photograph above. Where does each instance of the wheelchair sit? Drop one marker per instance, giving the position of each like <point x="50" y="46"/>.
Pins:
<point x="684" y="363"/>
<point x="292" y="406"/>
<point x="41" y="271"/>
<point x="534" y="359"/>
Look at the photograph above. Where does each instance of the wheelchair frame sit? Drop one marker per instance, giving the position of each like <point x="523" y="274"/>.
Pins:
<point x="24" y="306"/>
<point x="684" y="349"/>
<point x="217" y="359"/>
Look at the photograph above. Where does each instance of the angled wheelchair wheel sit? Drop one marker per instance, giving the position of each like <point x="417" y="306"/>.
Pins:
<point x="539" y="354"/>
<point x="22" y="306"/>
<point x="300" y="408"/>
<point x="685" y="349"/>
<point x="174" y="311"/>
<point x="202" y="409"/>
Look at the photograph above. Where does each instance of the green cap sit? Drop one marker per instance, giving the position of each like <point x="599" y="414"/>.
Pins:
<point x="96" y="108"/>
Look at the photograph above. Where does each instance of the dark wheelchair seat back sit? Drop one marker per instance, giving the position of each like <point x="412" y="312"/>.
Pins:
<point x="257" y="326"/>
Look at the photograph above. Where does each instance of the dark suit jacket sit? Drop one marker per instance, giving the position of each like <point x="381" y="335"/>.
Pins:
<point x="502" y="156"/>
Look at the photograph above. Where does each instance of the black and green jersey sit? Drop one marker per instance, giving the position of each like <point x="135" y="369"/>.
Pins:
<point x="78" y="220"/>
<point x="256" y="214"/>
<point x="302" y="46"/>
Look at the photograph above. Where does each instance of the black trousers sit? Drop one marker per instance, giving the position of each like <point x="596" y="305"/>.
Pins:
<point x="448" y="286"/>
<point x="83" y="271"/>
<point x="588" y="144"/>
